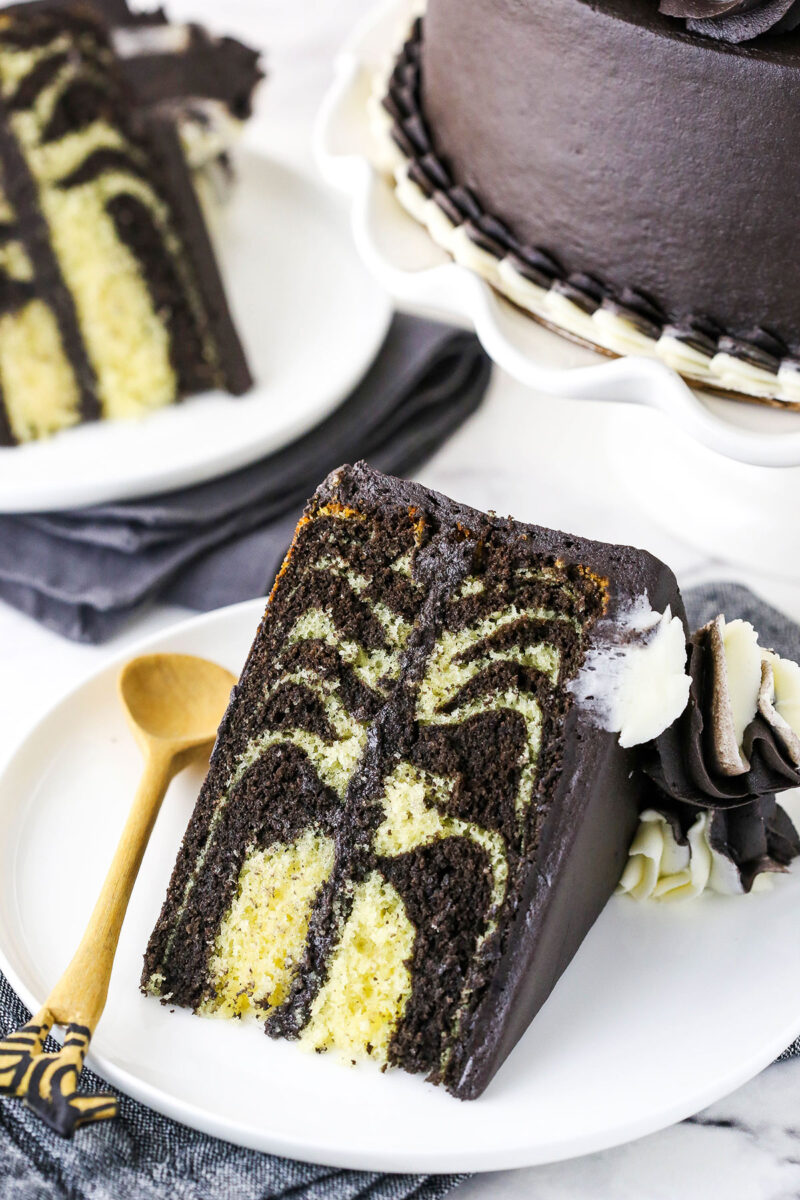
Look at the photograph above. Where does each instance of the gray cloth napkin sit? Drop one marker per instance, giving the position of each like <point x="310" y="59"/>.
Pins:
<point x="144" y="1156"/>
<point x="85" y="573"/>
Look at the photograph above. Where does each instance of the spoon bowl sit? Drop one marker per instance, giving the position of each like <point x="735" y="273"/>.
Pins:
<point x="175" y="699"/>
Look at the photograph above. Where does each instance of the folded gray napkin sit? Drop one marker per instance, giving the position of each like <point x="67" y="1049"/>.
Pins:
<point x="85" y="573"/>
<point x="144" y="1156"/>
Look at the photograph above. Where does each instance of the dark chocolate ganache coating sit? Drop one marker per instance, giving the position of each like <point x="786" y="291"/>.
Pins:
<point x="627" y="149"/>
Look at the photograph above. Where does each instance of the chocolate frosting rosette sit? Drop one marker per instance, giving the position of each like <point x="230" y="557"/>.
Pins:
<point x="711" y="818"/>
<point x="735" y="20"/>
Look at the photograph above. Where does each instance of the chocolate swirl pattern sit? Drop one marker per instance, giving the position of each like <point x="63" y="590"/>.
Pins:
<point x="493" y="669"/>
<point x="335" y="652"/>
<point x="105" y="307"/>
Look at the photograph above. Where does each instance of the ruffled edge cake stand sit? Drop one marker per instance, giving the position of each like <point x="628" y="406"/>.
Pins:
<point x="405" y="259"/>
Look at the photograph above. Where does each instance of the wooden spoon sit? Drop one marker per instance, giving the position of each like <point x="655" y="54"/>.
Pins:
<point x="173" y="703"/>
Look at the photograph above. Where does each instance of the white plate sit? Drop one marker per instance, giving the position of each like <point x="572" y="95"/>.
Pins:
<point x="730" y="510"/>
<point x="404" y="258"/>
<point x="311" y="318"/>
<point x="662" y="1011"/>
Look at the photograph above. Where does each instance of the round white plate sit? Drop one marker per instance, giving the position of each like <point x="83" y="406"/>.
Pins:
<point x="662" y="1011"/>
<point x="311" y="318"/>
<point x="403" y="257"/>
<point x="730" y="510"/>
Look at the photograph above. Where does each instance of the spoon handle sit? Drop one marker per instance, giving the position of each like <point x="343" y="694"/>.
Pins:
<point x="79" y="997"/>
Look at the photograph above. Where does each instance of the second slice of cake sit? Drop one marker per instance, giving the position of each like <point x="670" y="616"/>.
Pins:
<point x="418" y="803"/>
<point x="111" y="302"/>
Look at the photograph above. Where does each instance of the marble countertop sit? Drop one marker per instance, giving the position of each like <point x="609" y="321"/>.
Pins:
<point x="547" y="462"/>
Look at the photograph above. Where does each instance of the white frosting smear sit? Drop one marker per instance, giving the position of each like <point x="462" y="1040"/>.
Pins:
<point x="743" y="668"/>
<point x="750" y="679"/>
<point x="786" y="681"/>
<point x="660" y="868"/>
<point x="633" y="680"/>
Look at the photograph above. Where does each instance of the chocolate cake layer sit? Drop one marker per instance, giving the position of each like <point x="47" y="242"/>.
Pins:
<point x="408" y="824"/>
<point x="628" y="150"/>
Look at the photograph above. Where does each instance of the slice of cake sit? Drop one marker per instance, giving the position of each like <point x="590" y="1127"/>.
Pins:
<point x="419" y="801"/>
<point x="112" y="302"/>
<point x="205" y="84"/>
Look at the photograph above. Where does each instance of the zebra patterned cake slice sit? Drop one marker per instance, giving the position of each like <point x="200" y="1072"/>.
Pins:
<point x="410" y="822"/>
<point x="111" y="303"/>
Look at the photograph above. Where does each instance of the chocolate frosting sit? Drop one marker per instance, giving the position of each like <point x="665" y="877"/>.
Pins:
<point x="579" y="127"/>
<point x="683" y="761"/>
<point x="735" y="20"/>
<point x="683" y="766"/>
<point x="757" y="836"/>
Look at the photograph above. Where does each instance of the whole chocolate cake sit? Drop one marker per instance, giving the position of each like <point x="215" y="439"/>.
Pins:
<point x="422" y="794"/>
<point x="624" y="172"/>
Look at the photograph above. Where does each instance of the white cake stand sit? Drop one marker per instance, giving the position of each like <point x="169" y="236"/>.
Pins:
<point x="704" y="471"/>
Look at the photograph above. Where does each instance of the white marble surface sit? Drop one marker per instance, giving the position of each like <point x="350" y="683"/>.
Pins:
<point x="545" y="462"/>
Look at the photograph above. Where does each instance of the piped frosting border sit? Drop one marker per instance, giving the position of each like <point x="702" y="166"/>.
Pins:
<point x="758" y="367"/>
